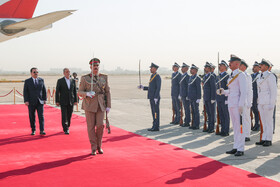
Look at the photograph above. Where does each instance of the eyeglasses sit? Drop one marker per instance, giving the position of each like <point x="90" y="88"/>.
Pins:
<point x="35" y="72"/>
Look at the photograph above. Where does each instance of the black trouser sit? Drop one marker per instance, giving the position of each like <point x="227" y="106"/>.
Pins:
<point x="210" y="109"/>
<point x="40" y="111"/>
<point x="66" y="114"/>
<point x="155" y="113"/>
<point x="195" y="113"/>
<point x="255" y="110"/>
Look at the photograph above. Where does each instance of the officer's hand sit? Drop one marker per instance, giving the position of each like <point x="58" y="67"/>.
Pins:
<point x="220" y="91"/>
<point x="179" y="97"/>
<point x="91" y="94"/>
<point x="57" y="104"/>
<point x="212" y="101"/>
<point x="26" y="103"/>
<point x="197" y="101"/>
<point x="240" y="109"/>
<point x="156" y="100"/>
<point x="140" y="86"/>
<point x="269" y="107"/>
<point x="108" y="109"/>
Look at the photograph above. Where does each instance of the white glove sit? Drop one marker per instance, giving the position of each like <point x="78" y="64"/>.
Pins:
<point x="226" y="102"/>
<point x="212" y="101"/>
<point x="108" y="109"/>
<point x="249" y="105"/>
<point x="179" y="97"/>
<point x="140" y="86"/>
<point x="187" y="98"/>
<point x="197" y="101"/>
<point x="91" y="94"/>
<point x="156" y="100"/>
<point x="240" y="109"/>
<point x="268" y="107"/>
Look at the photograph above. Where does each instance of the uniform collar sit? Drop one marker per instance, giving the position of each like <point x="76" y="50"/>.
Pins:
<point x="235" y="72"/>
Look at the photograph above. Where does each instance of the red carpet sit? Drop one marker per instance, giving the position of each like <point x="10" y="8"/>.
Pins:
<point x="129" y="159"/>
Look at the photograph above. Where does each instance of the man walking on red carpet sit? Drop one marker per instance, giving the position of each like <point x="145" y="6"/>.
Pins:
<point x="94" y="89"/>
<point x="34" y="94"/>
<point x="66" y="98"/>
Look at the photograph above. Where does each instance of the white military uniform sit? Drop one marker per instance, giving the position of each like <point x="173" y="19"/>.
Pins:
<point x="267" y="95"/>
<point x="246" y="118"/>
<point x="237" y="98"/>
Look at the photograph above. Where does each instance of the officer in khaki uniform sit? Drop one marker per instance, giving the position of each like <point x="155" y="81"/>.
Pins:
<point x="94" y="103"/>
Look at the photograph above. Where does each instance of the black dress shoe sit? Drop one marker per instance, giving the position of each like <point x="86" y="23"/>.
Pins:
<point x="256" y="128"/>
<point x="210" y="131"/>
<point x="233" y="151"/>
<point x="66" y="132"/>
<point x="93" y="152"/>
<point x="239" y="153"/>
<point x="172" y="122"/>
<point x="205" y="130"/>
<point x="225" y="134"/>
<point x="33" y="132"/>
<point x="267" y="143"/>
<point x="42" y="133"/>
<point x="247" y="139"/>
<point x="195" y="128"/>
<point x="154" y="130"/>
<point x="177" y="123"/>
<point x="191" y="127"/>
<point x="100" y="151"/>
<point x="219" y="133"/>
<point x="260" y="143"/>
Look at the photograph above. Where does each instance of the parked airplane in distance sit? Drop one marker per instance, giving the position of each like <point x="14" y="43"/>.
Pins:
<point x="16" y="18"/>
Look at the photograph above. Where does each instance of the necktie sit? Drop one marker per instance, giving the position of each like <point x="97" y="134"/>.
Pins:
<point x="36" y="83"/>
<point x="261" y="74"/>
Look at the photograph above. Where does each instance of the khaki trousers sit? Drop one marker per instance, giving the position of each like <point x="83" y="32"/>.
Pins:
<point x="95" y="127"/>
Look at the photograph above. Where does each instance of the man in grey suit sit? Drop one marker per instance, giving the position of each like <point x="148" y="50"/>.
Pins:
<point x="66" y="98"/>
<point x="35" y="96"/>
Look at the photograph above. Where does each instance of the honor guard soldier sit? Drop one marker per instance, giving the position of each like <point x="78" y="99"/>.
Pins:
<point x="154" y="95"/>
<point x="194" y="95"/>
<point x="274" y="112"/>
<point x="175" y="91"/>
<point x="95" y="90"/>
<point x="184" y="94"/>
<point x="267" y="95"/>
<point x="246" y="118"/>
<point x="213" y="67"/>
<point x="255" y="110"/>
<point x="209" y="96"/>
<point x="236" y="101"/>
<point x="222" y="102"/>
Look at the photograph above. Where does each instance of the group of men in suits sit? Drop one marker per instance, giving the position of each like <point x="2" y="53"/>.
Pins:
<point x="35" y="97"/>
<point x="234" y="96"/>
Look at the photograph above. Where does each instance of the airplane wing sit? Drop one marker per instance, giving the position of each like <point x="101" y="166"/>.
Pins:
<point x="40" y="22"/>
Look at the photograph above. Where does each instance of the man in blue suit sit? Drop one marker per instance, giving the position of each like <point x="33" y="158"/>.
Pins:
<point x="194" y="95"/>
<point x="221" y="82"/>
<point x="209" y="96"/>
<point x="184" y="94"/>
<point x="175" y="91"/>
<point x="154" y="95"/>
<point x="256" y="69"/>
<point x="34" y="93"/>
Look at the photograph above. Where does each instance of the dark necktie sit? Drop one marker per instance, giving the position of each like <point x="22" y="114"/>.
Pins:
<point x="262" y="75"/>
<point x="36" y="83"/>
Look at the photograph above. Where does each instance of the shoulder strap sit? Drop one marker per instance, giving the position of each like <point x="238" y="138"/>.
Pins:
<point x="233" y="78"/>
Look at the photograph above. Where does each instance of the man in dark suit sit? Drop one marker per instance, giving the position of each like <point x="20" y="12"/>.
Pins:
<point x="254" y="108"/>
<point x="154" y="95"/>
<point x="66" y="98"/>
<point x="209" y="96"/>
<point x="184" y="84"/>
<point x="35" y="96"/>
<point x="194" y="95"/>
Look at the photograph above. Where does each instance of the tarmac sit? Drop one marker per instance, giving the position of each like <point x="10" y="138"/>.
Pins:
<point x="131" y="111"/>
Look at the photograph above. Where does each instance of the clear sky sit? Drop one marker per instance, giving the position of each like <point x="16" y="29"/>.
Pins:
<point x="120" y="32"/>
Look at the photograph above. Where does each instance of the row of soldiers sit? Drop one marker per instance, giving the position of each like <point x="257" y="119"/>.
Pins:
<point x="229" y="96"/>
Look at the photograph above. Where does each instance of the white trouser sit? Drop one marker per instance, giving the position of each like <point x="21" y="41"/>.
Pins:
<point x="246" y="122"/>
<point x="267" y="122"/>
<point x="239" y="138"/>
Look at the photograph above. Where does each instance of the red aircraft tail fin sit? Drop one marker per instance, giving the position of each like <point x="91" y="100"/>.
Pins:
<point x="18" y="9"/>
